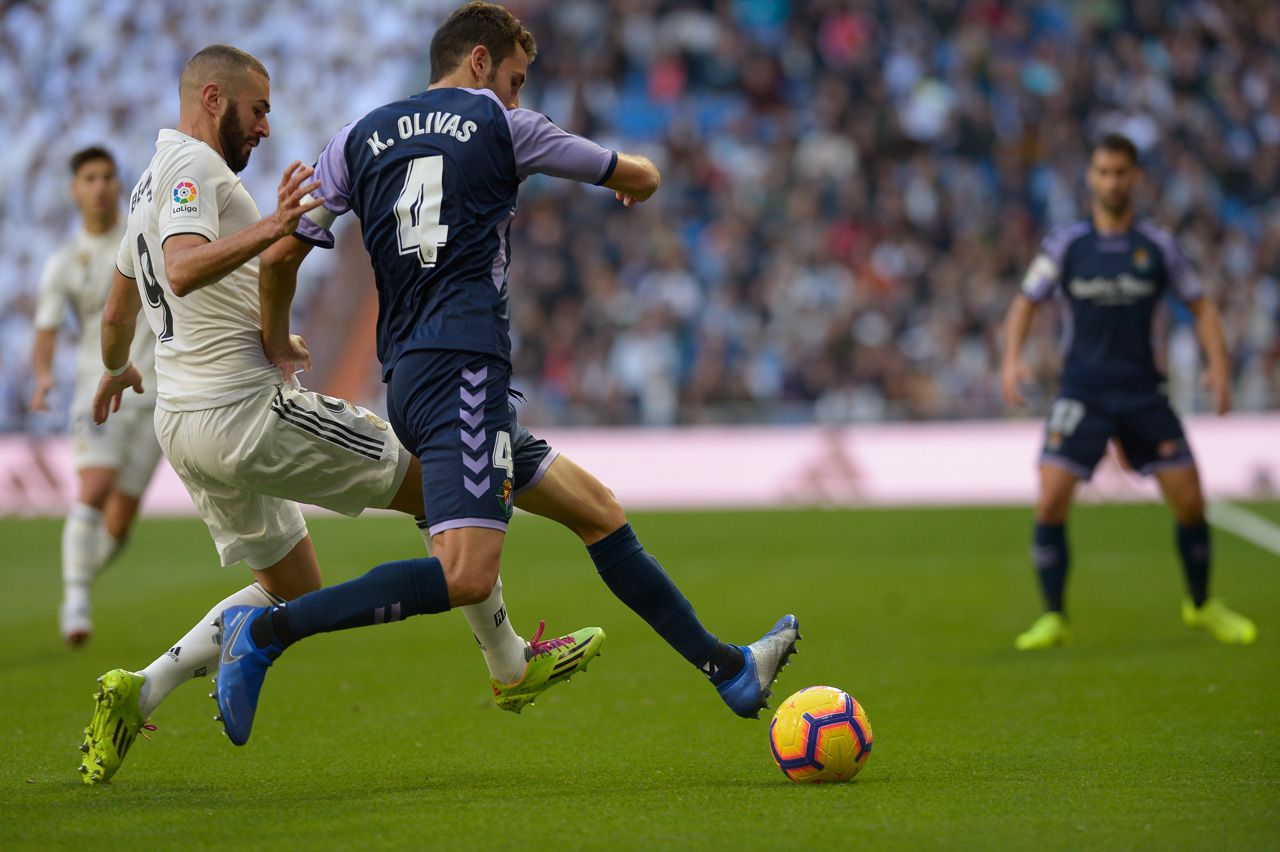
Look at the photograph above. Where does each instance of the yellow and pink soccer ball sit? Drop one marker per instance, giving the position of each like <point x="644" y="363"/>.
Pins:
<point x="820" y="734"/>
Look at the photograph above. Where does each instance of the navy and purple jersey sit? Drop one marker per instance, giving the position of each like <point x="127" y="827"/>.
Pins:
<point x="1111" y="284"/>
<point x="433" y="179"/>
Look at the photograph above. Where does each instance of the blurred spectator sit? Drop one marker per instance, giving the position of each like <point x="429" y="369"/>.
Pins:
<point x="851" y="188"/>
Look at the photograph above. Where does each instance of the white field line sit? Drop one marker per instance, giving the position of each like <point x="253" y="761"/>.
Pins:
<point x="1247" y="525"/>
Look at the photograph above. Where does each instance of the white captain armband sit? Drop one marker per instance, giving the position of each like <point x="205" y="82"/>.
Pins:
<point x="322" y="216"/>
<point x="1040" y="278"/>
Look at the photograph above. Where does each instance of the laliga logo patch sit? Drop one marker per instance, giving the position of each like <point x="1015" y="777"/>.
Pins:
<point x="186" y="198"/>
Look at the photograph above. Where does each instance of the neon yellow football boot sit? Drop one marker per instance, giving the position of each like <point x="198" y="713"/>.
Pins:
<point x="1223" y="623"/>
<point x="1047" y="631"/>
<point x="548" y="662"/>
<point x="115" y="725"/>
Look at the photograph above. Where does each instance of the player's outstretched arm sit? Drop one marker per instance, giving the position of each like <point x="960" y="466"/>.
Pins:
<point x="192" y="262"/>
<point x="1013" y="370"/>
<point x="42" y="365"/>
<point x="1217" y="375"/>
<point x="634" y="179"/>
<point x="277" y="283"/>
<point x="119" y="321"/>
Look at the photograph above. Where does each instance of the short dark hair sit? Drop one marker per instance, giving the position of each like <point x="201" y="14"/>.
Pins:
<point x="1116" y="143"/>
<point x="478" y="23"/>
<point x="88" y="155"/>
<point x="220" y="63"/>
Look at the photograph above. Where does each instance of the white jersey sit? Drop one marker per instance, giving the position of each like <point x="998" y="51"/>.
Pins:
<point x="78" y="275"/>
<point x="208" y="343"/>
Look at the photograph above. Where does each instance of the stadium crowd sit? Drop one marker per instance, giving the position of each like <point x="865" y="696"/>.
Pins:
<point x="103" y="73"/>
<point x="852" y="189"/>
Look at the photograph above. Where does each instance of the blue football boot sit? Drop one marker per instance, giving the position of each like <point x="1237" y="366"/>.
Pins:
<point x="242" y="667"/>
<point x="748" y="692"/>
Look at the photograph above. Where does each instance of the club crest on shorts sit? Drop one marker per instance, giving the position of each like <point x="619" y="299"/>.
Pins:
<point x="506" y="496"/>
<point x="375" y="421"/>
<point x="337" y="406"/>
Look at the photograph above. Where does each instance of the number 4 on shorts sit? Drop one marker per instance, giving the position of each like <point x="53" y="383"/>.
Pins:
<point x="502" y="455"/>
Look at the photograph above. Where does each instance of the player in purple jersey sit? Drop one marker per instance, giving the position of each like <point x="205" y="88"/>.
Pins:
<point x="1111" y="272"/>
<point x="247" y="441"/>
<point x="433" y="179"/>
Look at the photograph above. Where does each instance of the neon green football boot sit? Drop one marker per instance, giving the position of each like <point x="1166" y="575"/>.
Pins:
<point x="548" y="662"/>
<point x="115" y="725"/>
<point x="1047" y="631"/>
<point x="1223" y="623"/>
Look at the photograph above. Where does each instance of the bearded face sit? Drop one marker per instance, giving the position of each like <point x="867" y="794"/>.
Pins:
<point x="235" y="143"/>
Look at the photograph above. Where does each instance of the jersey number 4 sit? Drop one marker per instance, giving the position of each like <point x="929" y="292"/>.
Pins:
<point x="155" y="294"/>
<point x="418" y="210"/>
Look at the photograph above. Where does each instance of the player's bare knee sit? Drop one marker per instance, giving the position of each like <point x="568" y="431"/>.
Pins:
<point x="470" y="572"/>
<point x="469" y="581"/>
<point x="1053" y="513"/>
<point x="96" y="485"/>
<point x="1189" y="511"/>
<point x="611" y="515"/>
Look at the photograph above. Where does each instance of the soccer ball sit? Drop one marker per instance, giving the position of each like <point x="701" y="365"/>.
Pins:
<point x="820" y="734"/>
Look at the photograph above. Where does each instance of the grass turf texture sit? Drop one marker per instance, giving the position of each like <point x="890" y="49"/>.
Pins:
<point x="1142" y="735"/>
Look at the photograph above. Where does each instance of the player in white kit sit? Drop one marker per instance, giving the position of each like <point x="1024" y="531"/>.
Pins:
<point x="244" y="437"/>
<point x="113" y="461"/>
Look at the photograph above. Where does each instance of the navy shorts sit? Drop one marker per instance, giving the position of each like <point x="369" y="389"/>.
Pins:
<point x="1141" y="422"/>
<point x="453" y="411"/>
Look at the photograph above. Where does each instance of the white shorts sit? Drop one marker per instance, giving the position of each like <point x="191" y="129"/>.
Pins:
<point x="247" y="465"/>
<point x="126" y="443"/>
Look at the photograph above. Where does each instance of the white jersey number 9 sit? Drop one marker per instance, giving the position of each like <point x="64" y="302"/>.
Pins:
<point x="153" y="290"/>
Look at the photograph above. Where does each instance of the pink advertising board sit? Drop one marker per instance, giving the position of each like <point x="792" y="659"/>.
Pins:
<point x="755" y="466"/>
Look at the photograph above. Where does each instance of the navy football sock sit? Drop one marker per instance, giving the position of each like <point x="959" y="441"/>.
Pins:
<point x="725" y="663"/>
<point x="272" y="629"/>
<point x="638" y="581"/>
<point x="1193" y="545"/>
<point x="390" y="592"/>
<point x="1049" y="553"/>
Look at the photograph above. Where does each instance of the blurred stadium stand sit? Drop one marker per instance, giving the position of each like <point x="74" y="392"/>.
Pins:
<point x="851" y="190"/>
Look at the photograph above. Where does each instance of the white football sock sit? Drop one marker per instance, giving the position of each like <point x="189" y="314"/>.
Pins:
<point x="79" y="565"/>
<point x="503" y="648"/>
<point x="80" y="546"/>
<point x="108" y="546"/>
<point x="196" y="654"/>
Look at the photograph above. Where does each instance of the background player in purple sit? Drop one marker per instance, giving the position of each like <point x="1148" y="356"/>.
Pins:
<point x="434" y="179"/>
<point x="1111" y="272"/>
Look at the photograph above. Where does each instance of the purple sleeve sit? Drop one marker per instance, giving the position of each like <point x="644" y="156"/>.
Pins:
<point x="1046" y="270"/>
<point x="1182" y="277"/>
<point x="335" y="188"/>
<point x="542" y="148"/>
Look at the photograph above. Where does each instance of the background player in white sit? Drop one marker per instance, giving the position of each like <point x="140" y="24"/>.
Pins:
<point x="245" y="443"/>
<point x="114" y="461"/>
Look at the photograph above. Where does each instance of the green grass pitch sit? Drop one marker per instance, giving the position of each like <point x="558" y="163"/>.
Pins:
<point x="1142" y="735"/>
